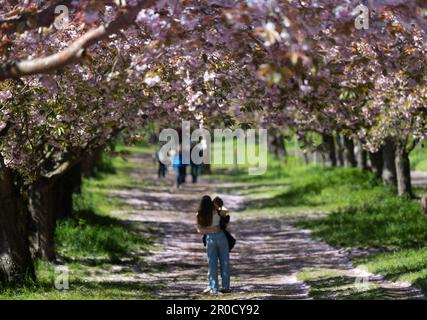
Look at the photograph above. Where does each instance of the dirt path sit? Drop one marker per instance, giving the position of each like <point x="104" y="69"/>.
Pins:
<point x="419" y="179"/>
<point x="268" y="255"/>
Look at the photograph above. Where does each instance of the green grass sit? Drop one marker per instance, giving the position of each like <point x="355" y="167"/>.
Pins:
<point x="382" y="220"/>
<point x="79" y="288"/>
<point x="291" y="186"/>
<point x="408" y="265"/>
<point x="326" y="283"/>
<point x="93" y="240"/>
<point x="418" y="158"/>
<point x="96" y="236"/>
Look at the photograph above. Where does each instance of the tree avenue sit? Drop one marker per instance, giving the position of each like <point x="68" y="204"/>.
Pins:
<point x="73" y="79"/>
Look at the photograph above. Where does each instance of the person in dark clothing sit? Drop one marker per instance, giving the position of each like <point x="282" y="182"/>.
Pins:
<point x="161" y="162"/>
<point x="195" y="169"/>
<point x="180" y="168"/>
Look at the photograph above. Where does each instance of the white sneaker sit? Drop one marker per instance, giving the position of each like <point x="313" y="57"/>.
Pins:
<point x="207" y="290"/>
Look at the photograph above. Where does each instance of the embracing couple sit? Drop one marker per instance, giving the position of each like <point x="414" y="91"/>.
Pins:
<point x="212" y="220"/>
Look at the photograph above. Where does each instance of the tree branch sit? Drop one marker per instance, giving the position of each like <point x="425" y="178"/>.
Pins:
<point x="43" y="18"/>
<point x="75" y="51"/>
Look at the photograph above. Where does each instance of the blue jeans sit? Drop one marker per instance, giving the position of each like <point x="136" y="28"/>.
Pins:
<point x="217" y="249"/>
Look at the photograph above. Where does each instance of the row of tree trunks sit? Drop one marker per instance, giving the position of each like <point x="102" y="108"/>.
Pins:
<point x="391" y="162"/>
<point x="50" y="200"/>
<point x="27" y="224"/>
<point x="342" y="152"/>
<point x="15" y="258"/>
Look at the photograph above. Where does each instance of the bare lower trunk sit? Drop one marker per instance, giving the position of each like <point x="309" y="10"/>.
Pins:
<point x="403" y="171"/>
<point x="15" y="258"/>
<point x="377" y="162"/>
<point x="89" y="161"/>
<point x="389" y="166"/>
<point x="65" y="187"/>
<point x="306" y="159"/>
<point x="340" y="150"/>
<point x="328" y="141"/>
<point x="350" y="159"/>
<point x="361" y="156"/>
<point x="276" y="144"/>
<point x="41" y="206"/>
<point x="207" y="168"/>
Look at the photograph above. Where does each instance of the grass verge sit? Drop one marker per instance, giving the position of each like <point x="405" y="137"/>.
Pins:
<point x="355" y="211"/>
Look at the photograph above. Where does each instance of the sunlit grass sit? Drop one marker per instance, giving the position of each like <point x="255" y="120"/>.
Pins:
<point x="327" y="283"/>
<point x="78" y="287"/>
<point x="406" y="265"/>
<point x="346" y="208"/>
<point x="418" y="158"/>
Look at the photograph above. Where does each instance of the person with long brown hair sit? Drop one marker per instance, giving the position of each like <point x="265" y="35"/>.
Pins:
<point x="208" y="223"/>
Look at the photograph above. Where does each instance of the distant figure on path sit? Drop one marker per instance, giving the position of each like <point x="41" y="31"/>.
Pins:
<point x="162" y="160"/>
<point x="180" y="168"/>
<point x="208" y="223"/>
<point x="195" y="168"/>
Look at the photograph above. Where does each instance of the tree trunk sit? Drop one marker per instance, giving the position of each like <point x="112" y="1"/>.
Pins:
<point x="315" y="157"/>
<point x="88" y="164"/>
<point x="282" y="153"/>
<point x="340" y="150"/>
<point x="350" y="159"/>
<point x="424" y="204"/>
<point x="328" y="141"/>
<point x="41" y="206"/>
<point x="362" y="156"/>
<point x="377" y="162"/>
<point x="403" y="171"/>
<point x="15" y="258"/>
<point x="66" y="186"/>
<point x="276" y="144"/>
<point x="389" y="166"/>
<point x="306" y="159"/>
<point x="207" y="168"/>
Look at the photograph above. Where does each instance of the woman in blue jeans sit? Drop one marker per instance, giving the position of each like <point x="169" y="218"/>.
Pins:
<point x="216" y="246"/>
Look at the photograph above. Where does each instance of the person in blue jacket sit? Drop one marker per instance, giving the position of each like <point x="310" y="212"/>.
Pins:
<point x="180" y="168"/>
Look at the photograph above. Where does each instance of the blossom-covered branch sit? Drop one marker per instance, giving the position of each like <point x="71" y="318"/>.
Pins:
<point x="75" y="51"/>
